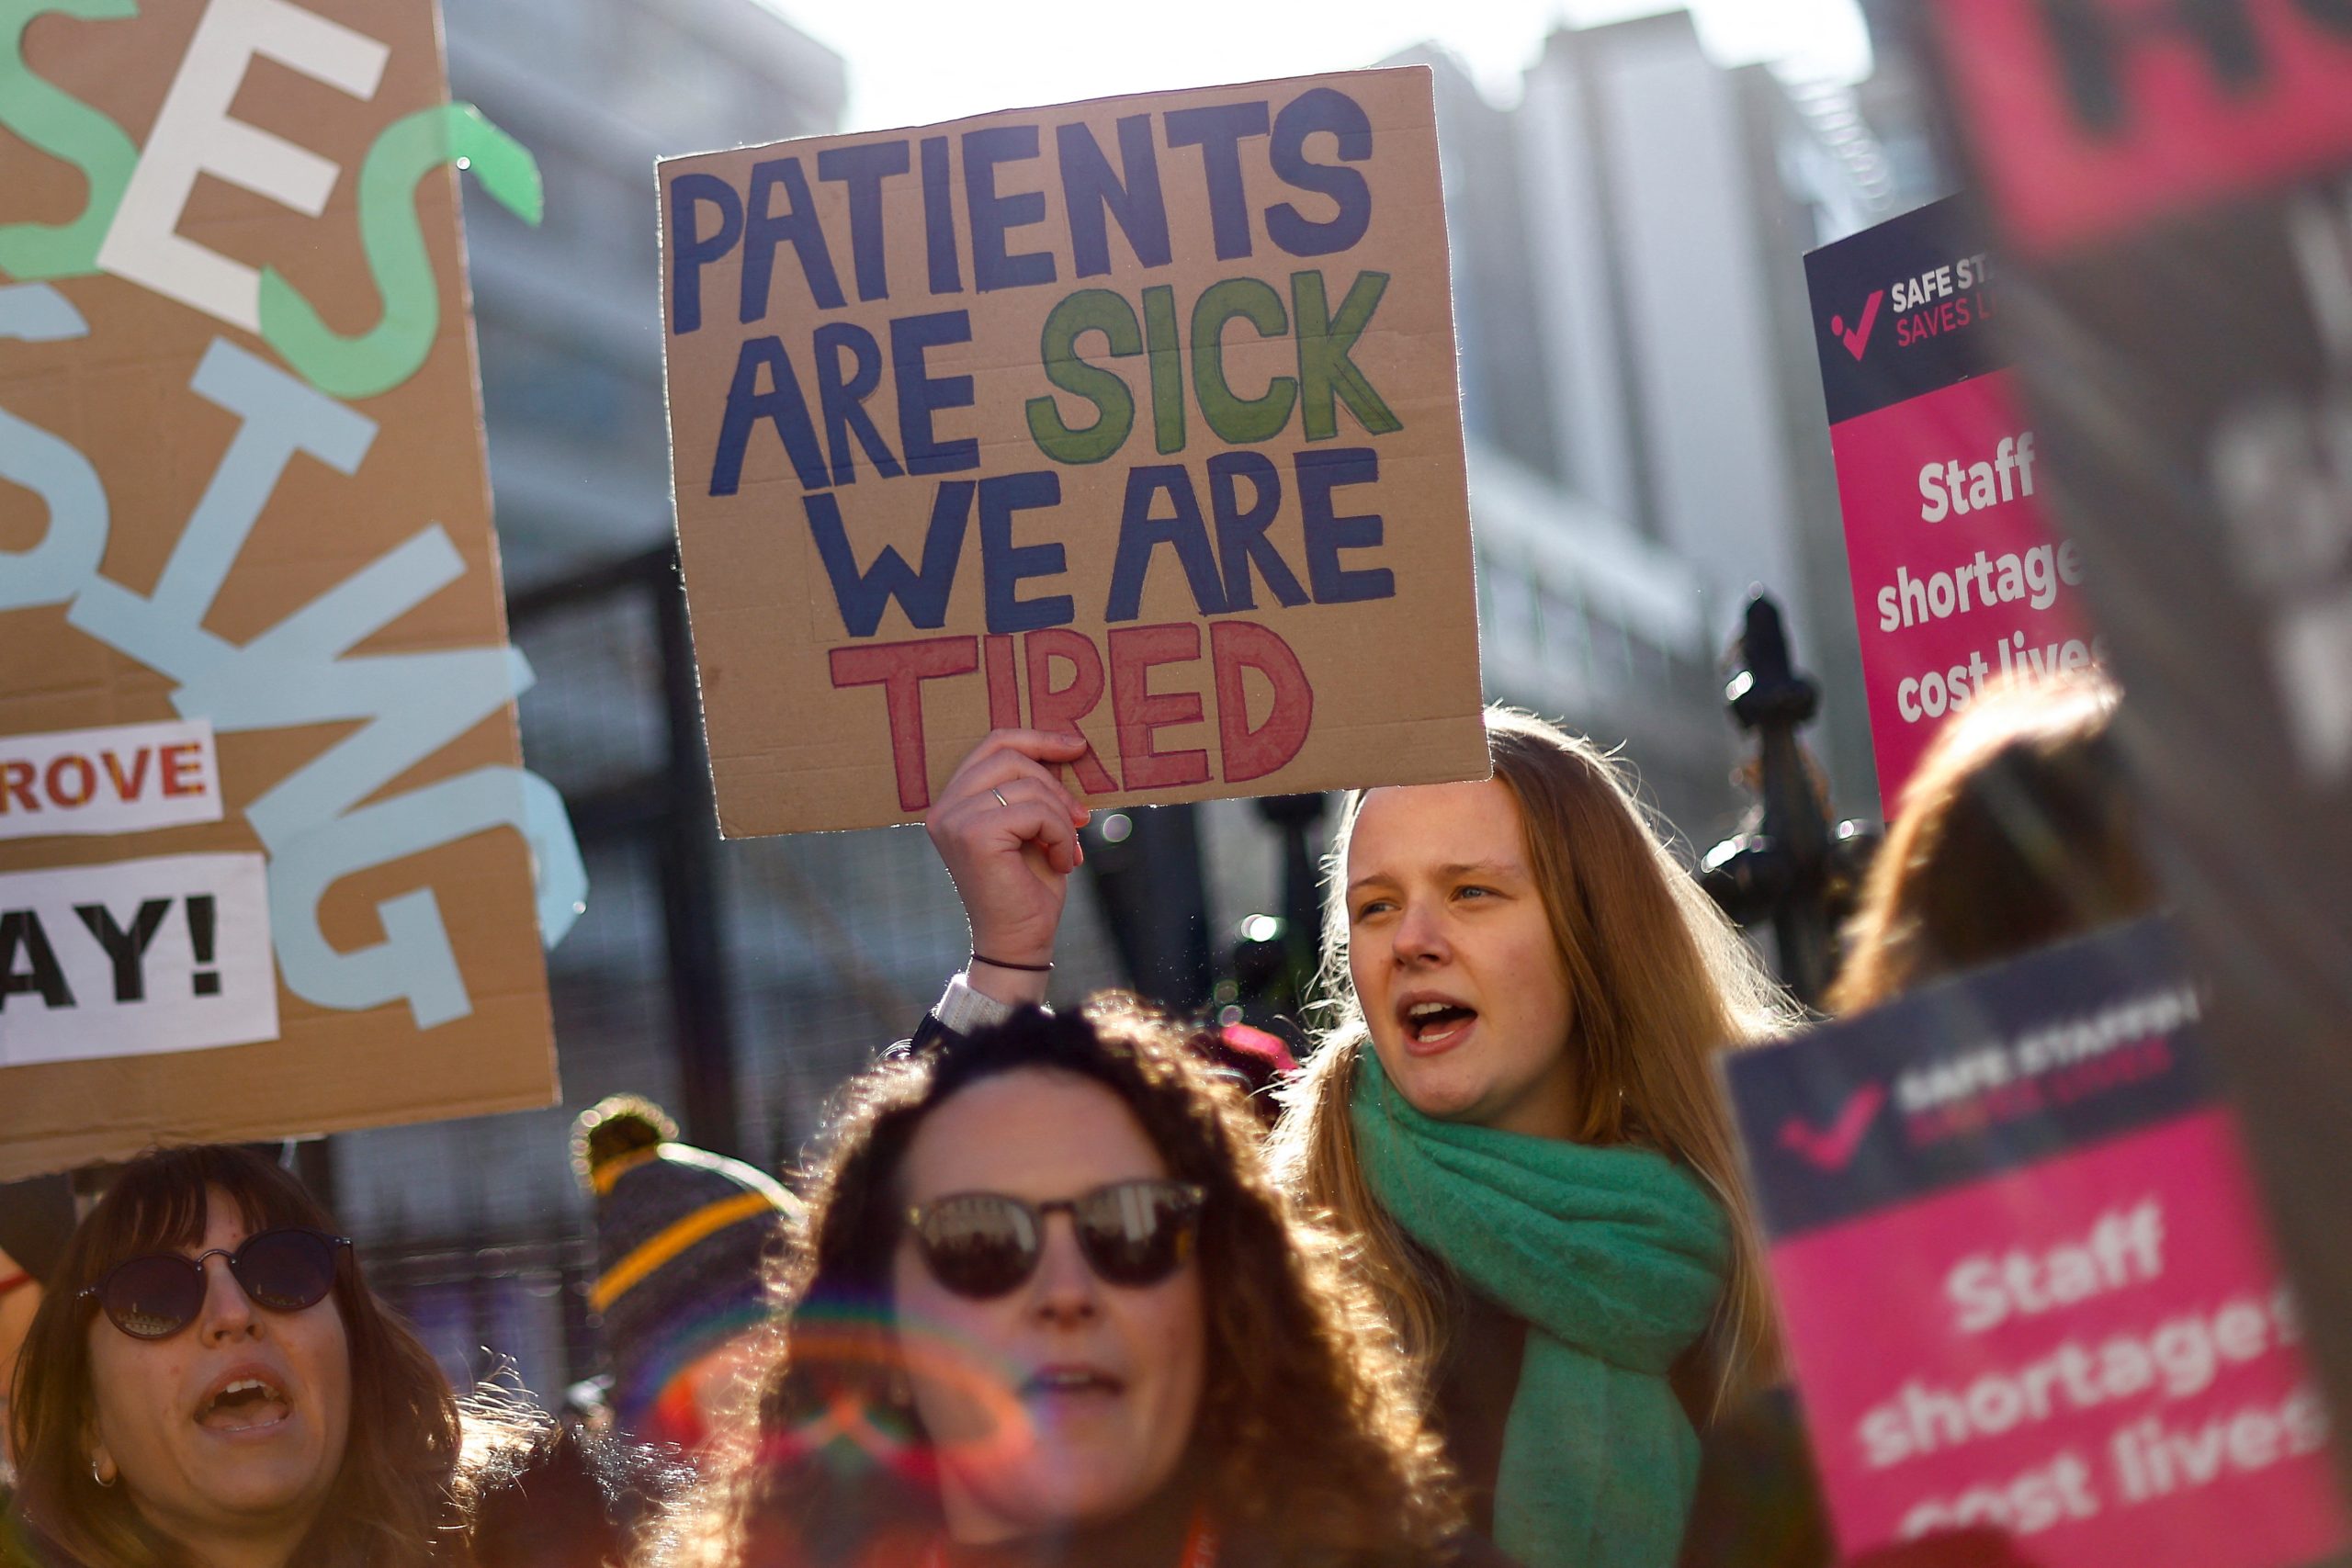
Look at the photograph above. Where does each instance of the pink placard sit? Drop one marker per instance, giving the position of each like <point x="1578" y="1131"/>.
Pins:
<point x="2103" y="1363"/>
<point x="1957" y="577"/>
<point x="2091" y="118"/>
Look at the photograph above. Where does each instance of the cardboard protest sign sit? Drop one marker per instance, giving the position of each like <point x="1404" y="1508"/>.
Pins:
<point x="2023" y="1275"/>
<point x="1957" y="577"/>
<point x="187" y="965"/>
<point x="1135" y="416"/>
<point x="123" y="779"/>
<point x="2172" y="185"/>
<point x="267" y="848"/>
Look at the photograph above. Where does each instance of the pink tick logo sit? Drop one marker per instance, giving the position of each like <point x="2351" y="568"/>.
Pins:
<point x="1834" y="1149"/>
<point x="1858" y="339"/>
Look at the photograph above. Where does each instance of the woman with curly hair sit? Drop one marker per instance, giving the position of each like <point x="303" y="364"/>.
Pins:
<point x="1512" y="1112"/>
<point x="210" y="1383"/>
<point x="1047" y="1311"/>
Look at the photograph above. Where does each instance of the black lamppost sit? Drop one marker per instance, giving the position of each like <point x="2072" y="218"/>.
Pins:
<point x="1795" y="868"/>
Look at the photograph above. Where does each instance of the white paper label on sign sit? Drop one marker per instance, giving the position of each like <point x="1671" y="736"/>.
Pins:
<point x="126" y="779"/>
<point x="135" y="958"/>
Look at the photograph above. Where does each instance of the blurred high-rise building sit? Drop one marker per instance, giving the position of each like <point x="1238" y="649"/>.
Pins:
<point x="1895" y="101"/>
<point x="1639" y="381"/>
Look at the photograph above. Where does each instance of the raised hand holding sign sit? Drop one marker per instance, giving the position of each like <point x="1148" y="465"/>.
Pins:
<point x="1007" y="828"/>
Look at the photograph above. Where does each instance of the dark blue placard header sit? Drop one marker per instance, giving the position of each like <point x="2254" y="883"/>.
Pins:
<point x="1903" y="308"/>
<point x="1970" y="1078"/>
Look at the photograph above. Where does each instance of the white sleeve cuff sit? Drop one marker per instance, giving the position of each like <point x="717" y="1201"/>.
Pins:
<point x="965" y="1010"/>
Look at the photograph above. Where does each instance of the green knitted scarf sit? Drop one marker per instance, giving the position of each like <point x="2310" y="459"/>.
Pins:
<point x="1616" y="1258"/>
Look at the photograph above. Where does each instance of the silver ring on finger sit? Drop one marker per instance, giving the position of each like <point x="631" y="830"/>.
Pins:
<point x="999" y="797"/>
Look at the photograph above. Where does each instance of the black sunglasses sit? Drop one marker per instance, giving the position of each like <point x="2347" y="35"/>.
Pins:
<point x="157" y="1295"/>
<point x="985" y="1244"/>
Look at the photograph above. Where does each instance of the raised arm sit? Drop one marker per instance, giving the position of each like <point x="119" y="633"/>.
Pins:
<point x="1007" y="828"/>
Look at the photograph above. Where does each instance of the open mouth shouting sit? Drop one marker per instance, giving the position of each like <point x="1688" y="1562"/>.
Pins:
<point x="1433" y="1022"/>
<point x="247" y="1400"/>
<point x="1072" y="1382"/>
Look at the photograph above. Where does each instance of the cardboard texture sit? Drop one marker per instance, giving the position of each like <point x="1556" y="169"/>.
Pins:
<point x="1138" y="413"/>
<point x="287" y="536"/>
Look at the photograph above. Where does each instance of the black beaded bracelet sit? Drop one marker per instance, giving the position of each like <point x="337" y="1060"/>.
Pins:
<point x="1001" y="963"/>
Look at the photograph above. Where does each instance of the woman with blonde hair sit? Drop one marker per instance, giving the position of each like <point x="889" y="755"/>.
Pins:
<point x="1513" y="1112"/>
<point x="2019" y="829"/>
<point x="1515" y="1108"/>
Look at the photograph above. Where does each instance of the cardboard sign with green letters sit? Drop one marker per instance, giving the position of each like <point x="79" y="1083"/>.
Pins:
<point x="270" y="863"/>
<point x="1135" y="417"/>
